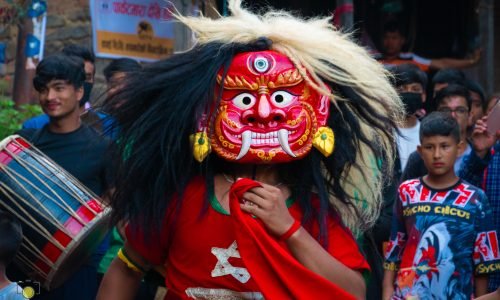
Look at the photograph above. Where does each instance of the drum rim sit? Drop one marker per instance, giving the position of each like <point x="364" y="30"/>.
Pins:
<point x="71" y="247"/>
<point x="10" y="138"/>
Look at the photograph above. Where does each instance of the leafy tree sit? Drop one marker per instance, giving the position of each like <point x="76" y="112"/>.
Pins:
<point x="12" y="117"/>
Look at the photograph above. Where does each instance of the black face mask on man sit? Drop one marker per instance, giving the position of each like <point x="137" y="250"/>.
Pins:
<point x="87" y="89"/>
<point x="412" y="102"/>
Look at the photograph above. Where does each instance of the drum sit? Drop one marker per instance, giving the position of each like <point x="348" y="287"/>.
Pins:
<point x="63" y="222"/>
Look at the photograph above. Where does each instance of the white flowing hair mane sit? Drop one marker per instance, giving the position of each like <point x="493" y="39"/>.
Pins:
<point x="316" y="45"/>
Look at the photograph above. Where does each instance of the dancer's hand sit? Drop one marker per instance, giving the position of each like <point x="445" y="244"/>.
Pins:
<point x="268" y="203"/>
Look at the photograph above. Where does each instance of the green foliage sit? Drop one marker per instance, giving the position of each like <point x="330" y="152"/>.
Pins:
<point x="12" y="118"/>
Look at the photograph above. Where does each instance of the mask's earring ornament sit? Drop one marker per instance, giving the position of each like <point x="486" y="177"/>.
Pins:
<point x="200" y="141"/>
<point x="201" y="145"/>
<point x="324" y="141"/>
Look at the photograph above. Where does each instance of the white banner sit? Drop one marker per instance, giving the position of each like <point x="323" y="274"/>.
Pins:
<point x="138" y="29"/>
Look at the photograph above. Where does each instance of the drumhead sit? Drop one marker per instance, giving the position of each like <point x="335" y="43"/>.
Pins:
<point x="79" y="250"/>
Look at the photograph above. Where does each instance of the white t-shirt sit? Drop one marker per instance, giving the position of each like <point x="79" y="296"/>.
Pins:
<point x="407" y="141"/>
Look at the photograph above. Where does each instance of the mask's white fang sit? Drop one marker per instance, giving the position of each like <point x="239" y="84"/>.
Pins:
<point x="246" y="139"/>
<point x="283" y="139"/>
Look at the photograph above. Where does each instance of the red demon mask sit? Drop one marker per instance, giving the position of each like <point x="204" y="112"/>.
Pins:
<point x="268" y="113"/>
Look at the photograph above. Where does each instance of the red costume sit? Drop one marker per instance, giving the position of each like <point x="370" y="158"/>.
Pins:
<point x="202" y="256"/>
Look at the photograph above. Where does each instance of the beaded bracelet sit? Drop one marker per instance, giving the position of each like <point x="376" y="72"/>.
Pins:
<point x="295" y="226"/>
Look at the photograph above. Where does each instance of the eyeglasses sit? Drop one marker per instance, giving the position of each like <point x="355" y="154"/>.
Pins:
<point x="459" y="110"/>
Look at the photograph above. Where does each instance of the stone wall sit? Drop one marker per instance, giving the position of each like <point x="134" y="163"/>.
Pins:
<point x="72" y="27"/>
<point x="68" y="22"/>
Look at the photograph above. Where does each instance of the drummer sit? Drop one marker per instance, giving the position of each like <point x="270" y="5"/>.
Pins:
<point x="76" y="147"/>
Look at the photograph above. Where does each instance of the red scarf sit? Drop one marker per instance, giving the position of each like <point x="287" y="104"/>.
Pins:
<point x="277" y="273"/>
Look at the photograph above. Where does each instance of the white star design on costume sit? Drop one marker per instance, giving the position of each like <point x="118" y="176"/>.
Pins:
<point x="223" y="267"/>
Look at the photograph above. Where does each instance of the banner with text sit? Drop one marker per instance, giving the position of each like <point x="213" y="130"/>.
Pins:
<point x="138" y="29"/>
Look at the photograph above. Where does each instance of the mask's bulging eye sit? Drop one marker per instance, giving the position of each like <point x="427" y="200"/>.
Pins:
<point x="261" y="64"/>
<point x="281" y="98"/>
<point x="244" y="101"/>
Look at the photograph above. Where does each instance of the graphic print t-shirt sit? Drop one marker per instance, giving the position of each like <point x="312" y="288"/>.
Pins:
<point x="439" y="240"/>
